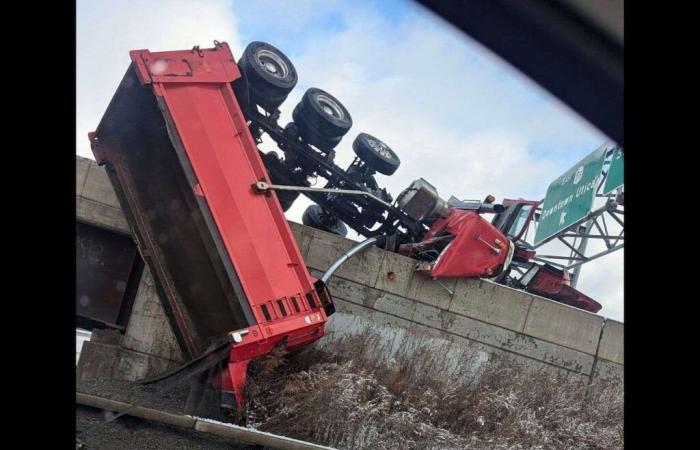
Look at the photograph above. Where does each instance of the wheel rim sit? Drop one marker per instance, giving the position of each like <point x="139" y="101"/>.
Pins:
<point x="330" y="107"/>
<point x="380" y="147"/>
<point x="272" y="63"/>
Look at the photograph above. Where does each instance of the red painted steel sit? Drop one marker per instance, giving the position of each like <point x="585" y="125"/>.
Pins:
<point x="556" y="284"/>
<point x="473" y="253"/>
<point x="194" y="92"/>
<point x="226" y="161"/>
<point x="477" y="250"/>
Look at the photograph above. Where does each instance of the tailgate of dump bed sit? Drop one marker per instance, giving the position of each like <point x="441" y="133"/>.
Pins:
<point x="182" y="161"/>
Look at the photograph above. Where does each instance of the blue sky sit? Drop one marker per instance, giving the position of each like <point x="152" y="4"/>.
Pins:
<point x="317" y="21"/>
<point x="455" y="113"/>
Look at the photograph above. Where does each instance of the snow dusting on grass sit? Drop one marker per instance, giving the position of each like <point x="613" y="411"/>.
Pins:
<point x="349" y="395"/>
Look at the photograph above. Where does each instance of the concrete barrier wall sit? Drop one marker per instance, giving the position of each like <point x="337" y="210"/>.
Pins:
<point x="148" y="345"/>
<point x="487" y="316"/>
<point x="383" y="288"/>
<point x="95" y="200"/>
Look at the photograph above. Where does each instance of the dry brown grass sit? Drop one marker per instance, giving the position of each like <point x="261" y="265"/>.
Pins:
<point x="350" y="396"/>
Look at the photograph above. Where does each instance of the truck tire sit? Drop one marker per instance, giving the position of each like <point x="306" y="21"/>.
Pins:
<point x="316" y="217"/>
<point x="310" y="135"/>
<point x="268" y="74"/>
<point x="321" y="119"/>
<point x="376" y="154"/>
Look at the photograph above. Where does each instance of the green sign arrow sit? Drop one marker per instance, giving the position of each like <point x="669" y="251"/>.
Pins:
<point x="616" y="172"/>
<point x="570" y="197"/>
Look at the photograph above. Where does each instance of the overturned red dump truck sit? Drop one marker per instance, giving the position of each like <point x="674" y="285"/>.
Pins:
<point x="206" y="206"/>
<point x="448" y="238"/>
<point x="179" y="154"/>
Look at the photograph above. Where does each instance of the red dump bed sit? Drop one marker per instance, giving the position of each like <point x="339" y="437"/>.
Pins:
<point x="182" y="161"/>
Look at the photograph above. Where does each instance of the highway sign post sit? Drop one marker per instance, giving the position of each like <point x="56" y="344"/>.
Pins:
<point x="570" y="197"/>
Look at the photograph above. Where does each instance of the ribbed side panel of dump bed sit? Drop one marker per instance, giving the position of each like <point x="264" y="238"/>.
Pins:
<point x="182" y="161"/>
<point x="167" y="220"/>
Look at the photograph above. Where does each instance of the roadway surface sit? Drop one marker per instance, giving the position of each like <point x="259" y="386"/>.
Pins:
<point x="141" y="428"/>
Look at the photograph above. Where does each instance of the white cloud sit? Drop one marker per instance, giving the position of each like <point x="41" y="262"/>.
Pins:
<point x="290" y="17"/>
<point x="602" y="280"/>
<point x="108" y="30"/>
<point x="455" y="115"/>
<point x="438" y="99"/>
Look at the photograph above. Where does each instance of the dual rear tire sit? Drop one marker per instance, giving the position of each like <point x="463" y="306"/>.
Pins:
<point x="321" y="119"/>
<point x="268" y="76"/>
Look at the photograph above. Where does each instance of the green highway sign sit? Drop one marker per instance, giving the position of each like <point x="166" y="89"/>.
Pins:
<point x="570" y="197"/>
<point x="616" y="172"/>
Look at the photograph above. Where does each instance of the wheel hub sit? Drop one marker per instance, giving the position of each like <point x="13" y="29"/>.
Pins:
<point x="270" y="67"/>
<point x="272" y="63"/>
<point x="380" y="148"/>
<point x="330" y="107"/>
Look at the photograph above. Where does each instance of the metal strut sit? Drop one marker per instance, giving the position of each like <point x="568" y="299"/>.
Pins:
<point x="263" y="186"/>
